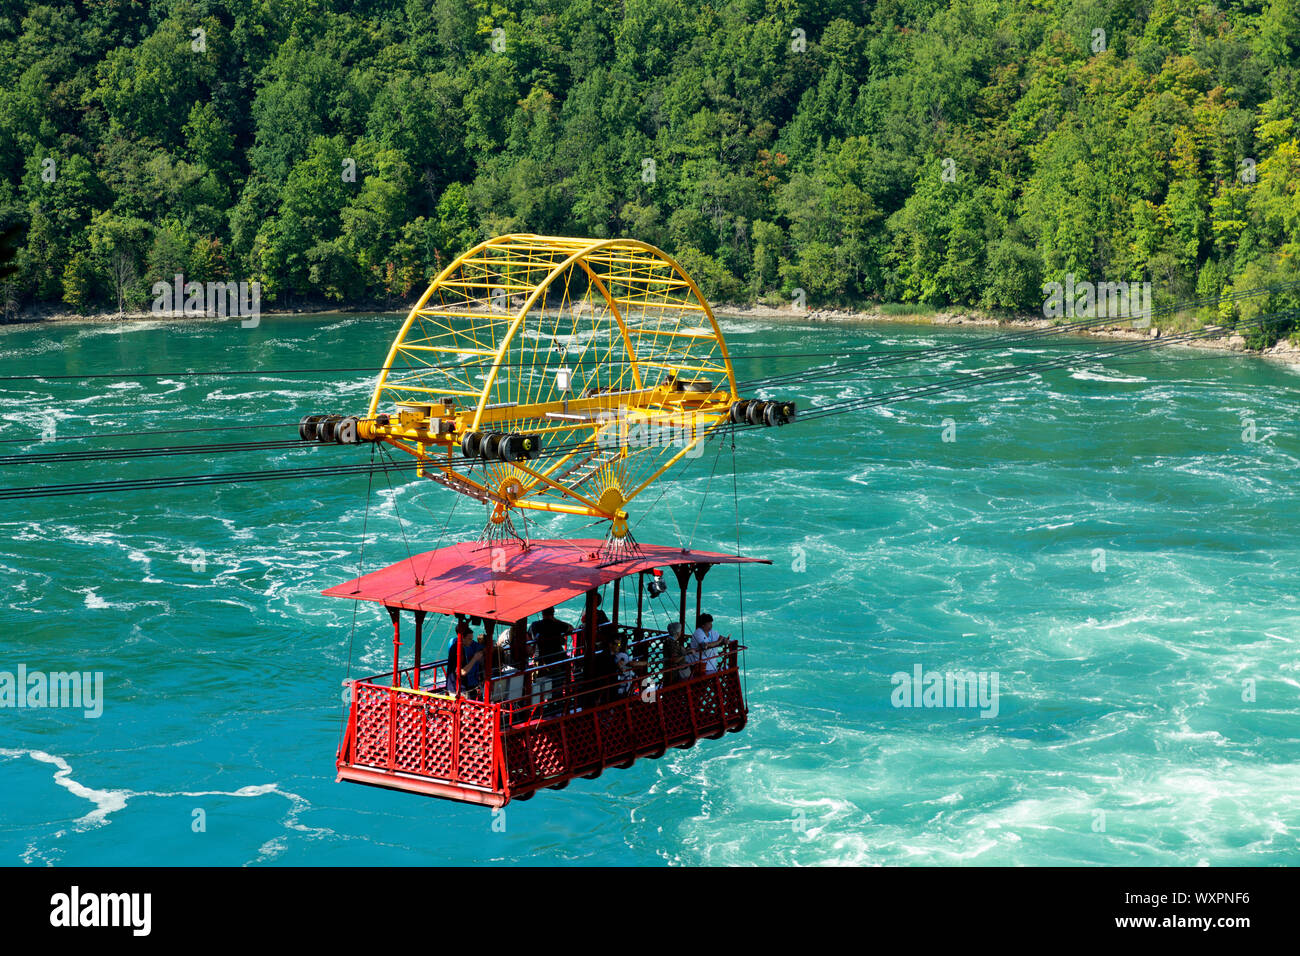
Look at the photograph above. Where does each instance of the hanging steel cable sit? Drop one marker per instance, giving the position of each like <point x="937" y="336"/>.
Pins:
<point x="561" y="449"/>
<point x="183" y="481"/>
<point x="100" y="436"/>
<point x="151" y="452"/>
<point x="1005" y="373"/>
<point x="1006" y="339"/>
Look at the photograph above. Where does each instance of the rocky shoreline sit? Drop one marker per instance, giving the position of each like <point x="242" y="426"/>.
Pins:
<point x="1283" y="351"/>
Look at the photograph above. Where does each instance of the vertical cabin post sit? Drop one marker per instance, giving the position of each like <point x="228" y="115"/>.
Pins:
<point x="614" y="616"/>
<point x="589" y="652"/>
<point x="700" y="571"/>
<point x="419" y="641"/>
<point x="460" y="662"/>
<point x="489" y="628"/>
<point x="396" y="615"/>
<point x="640" y="594"/>
<point x="683" y="572"/>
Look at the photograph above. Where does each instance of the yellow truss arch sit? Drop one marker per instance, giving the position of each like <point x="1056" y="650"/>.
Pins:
<point x="602" y="356"/>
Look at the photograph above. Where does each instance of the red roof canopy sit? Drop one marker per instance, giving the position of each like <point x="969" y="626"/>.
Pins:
<point x="460" y="579"/>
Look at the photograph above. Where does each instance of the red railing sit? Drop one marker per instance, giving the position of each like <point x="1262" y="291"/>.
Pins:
<point x="429" y="735"/>
<point x="518" y="746"/>
<point x="583" y="742"/>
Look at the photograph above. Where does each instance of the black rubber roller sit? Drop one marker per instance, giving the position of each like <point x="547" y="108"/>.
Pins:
<point x="325" y="427"/>
<point x="512" y="448"/>
<point x="471" y="444"/>
<point x="755" y="413"/>
<point x="491" y="447"/>
<point x="307" y="427"/>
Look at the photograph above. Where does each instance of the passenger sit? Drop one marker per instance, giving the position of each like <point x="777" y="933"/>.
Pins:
<point x="604" y="671"/>
<point x="601" y="616"/>
<point x="627" y="670"/>
<point x="517" y="640"/>
<point x="467" y="656"/>
<point x="676" y="666"/>
<point x="705" y="643"/>
<point x="508" y="682"/>
<point x="549" y="635"/>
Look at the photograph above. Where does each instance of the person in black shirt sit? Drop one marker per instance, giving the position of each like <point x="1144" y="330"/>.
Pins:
<point x="549" y="634"/>
<point x="601" y="616"/>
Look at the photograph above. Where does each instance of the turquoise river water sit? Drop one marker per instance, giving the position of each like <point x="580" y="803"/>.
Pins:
<point x="1116" y="543"/>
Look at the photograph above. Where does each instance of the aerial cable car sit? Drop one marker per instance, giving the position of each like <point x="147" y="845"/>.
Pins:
<point x="558" y="375"/>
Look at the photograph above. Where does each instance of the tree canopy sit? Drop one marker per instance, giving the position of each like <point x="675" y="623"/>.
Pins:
<point x="950" y="152"/>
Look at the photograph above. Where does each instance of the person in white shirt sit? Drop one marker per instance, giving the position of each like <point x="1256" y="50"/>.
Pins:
<point x="706" y="641"/>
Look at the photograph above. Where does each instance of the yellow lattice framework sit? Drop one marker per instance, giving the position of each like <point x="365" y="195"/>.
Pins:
<point x="568" y="374"/>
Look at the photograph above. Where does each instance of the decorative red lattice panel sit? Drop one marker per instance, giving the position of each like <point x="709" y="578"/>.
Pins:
<point x="475" y="754"/>
<point x="580" y="736"/>
<point x="615" y="733"/>
<point x="372" y="709"/>
<point x="674" y="701"/>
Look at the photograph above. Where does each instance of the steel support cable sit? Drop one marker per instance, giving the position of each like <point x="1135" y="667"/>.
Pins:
<point x="941" y="387"/>
<point x="1010" y="372"/>
<point x="151" y="452"/>
<point x="705" y="497"/>
<point x="1002" y="374"/>
<point x="356" y="605"/>
<point x="886" y="398"/>
<point x="875" y="359"/>
<point x="187" y="481"/>
<point x="38" y="440"/>
<point x="955" y="349"/>
<point x="1008" y="338"/>
<point x="401" y="525"/>
<point x="740" y="583"/>
<point x="1235" y="296"/>
<point x="882" y="359"/>
<point x="182" y="481"/>
<point x="207" y="449"/>
<point x="431" y="367"/>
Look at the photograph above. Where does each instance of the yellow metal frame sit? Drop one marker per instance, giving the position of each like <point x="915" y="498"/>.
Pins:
<point x="635" y="298"/>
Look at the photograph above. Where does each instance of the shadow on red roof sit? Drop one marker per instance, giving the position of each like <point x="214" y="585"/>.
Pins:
<point x="506" y="582"/>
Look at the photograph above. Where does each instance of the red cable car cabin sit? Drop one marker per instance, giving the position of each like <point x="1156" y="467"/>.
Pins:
<point x="531" y="726"/>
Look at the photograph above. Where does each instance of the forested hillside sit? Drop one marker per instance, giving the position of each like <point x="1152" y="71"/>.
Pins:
<point x="937" y="151"/>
